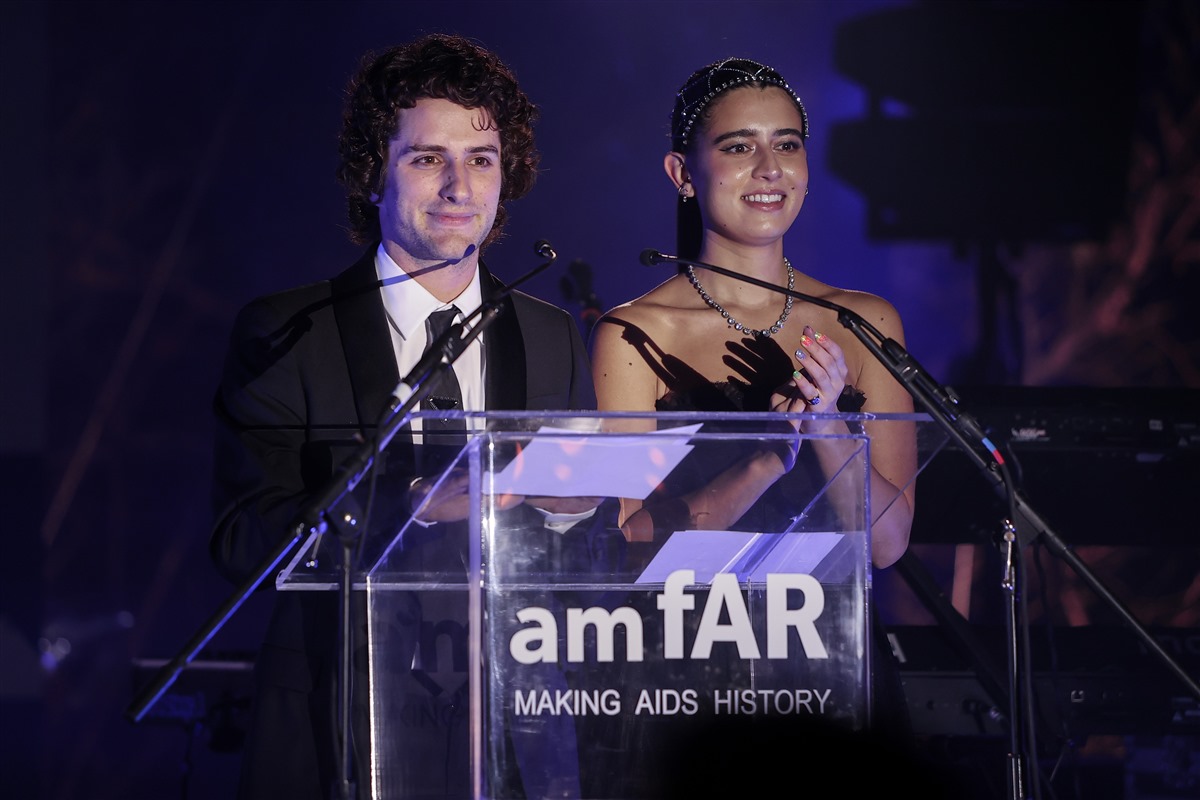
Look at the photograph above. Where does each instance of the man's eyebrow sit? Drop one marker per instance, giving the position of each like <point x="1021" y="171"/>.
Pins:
<point x="418" y="147"/>
<point x="749" y="132"/>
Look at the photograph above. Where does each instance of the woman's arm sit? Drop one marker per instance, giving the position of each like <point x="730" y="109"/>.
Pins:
<point x="893" y="444"/>
<point x="626" y="381"/>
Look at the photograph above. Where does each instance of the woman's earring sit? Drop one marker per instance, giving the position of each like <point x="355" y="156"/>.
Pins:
<point x="683" y="192"/>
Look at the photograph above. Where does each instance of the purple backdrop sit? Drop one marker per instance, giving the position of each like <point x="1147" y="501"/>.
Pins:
<point x="166" y="162"/>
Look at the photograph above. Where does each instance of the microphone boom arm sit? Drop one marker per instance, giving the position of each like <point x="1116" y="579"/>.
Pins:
<point x="310" y="518"/>
<point x="942" y="405"/>
<point x="888" y="351"/>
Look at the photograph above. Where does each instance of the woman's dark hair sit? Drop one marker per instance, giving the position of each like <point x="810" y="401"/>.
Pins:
<point x="436" y="66"/>
<point x="693" y="107"/>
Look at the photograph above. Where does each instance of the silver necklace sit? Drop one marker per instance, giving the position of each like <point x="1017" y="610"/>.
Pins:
<point x="766" y="333"/>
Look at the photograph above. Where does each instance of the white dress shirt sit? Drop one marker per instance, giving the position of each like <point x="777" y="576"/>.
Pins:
<point x="407" y="305"/>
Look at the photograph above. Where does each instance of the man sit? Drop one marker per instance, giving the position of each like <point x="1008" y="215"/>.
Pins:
<point x="437" y="136"/>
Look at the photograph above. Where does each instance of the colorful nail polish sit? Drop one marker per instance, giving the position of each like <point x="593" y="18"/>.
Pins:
<point x="822" y="338"/>
<point x="806" y="340"/>
<point x="800" y="355"/>
<point x="796" y="373"/>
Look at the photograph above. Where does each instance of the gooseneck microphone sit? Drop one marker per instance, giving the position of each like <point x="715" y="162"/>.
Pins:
<point x="1021" y="526"/>
<point x="440" y="355"/>
<point x="939" y="400"/>
<point x="313" y="515"/>
<point x="446" y="349"/>
<point x="652" y="258"/>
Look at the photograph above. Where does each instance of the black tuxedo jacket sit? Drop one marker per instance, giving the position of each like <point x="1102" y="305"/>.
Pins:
<point x="307" y="370"/>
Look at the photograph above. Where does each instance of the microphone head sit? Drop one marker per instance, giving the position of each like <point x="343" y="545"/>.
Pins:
<point x="543" y="249"/>
<point x="652" y="258"/>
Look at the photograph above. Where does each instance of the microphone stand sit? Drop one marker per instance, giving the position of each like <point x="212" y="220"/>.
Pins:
<point x="317" y="514"/>
<point x="1023" y="527"/>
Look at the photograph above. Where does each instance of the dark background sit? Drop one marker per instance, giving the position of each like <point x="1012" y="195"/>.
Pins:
<point x="1019" y="179"/>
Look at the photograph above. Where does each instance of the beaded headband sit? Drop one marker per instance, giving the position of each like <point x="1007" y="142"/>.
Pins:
<point x="708" y="83"/>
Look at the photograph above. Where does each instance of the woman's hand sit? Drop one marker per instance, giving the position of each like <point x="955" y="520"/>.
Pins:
<point x="814" y="388"/>
<point x="817" y="382"/>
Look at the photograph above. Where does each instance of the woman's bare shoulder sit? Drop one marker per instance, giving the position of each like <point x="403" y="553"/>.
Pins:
<point x="651" y="311"/>
<point x="875" y="309"/>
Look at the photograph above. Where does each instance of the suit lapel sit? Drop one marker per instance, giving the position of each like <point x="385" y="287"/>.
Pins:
<point x="504" y="351"/>
<point x="366" y="343"/>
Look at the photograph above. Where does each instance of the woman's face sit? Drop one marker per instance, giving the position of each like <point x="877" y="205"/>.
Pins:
<point x="748" y="165"/>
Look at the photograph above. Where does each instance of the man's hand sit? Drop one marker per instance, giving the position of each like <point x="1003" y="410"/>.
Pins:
<point x="564" y="505"/>
<point x="449" y="499"/>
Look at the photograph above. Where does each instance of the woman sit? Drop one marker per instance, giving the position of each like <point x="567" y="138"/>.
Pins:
<point x="705" y="341"/>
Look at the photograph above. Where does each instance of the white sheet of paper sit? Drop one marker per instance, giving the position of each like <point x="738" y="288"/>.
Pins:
<point x="711" y="553"/>
<point x="594" y="466"/>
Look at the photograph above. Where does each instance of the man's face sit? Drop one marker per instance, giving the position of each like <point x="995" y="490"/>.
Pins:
<point x="442" y="184"/>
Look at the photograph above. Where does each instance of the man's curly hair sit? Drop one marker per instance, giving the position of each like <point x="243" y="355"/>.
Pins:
<point x="437" y="66"/>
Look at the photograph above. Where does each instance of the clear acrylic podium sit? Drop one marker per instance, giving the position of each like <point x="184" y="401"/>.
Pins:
<point x="527" y="652"/>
